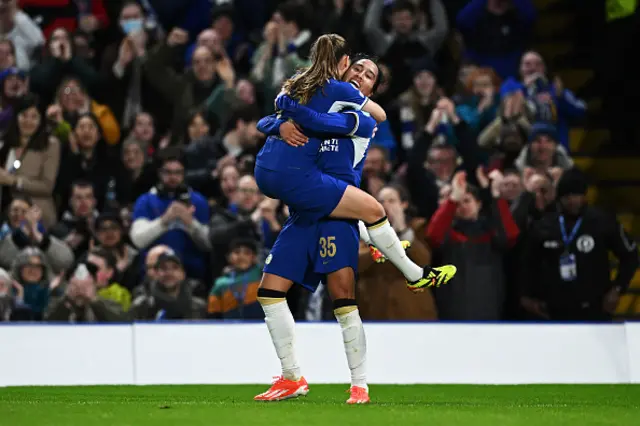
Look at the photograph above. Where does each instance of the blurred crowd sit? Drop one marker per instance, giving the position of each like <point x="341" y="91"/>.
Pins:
<point x="129" y="139"/>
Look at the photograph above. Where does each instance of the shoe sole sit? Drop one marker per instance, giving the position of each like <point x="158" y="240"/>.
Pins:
<point x="301" y="391"/>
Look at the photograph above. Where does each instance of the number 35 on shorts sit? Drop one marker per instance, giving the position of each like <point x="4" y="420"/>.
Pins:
<point x="327" y="246"/>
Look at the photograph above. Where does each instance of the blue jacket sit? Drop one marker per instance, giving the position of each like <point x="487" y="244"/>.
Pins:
<point x="496" y="41"/>
<point x="151" y="206"/>
<point x="568" y="108"/>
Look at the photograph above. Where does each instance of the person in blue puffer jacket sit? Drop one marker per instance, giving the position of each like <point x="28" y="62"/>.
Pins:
<point x="551" y="101"/>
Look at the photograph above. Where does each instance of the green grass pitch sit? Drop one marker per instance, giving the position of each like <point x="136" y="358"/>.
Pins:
<point x="437" y="405"/>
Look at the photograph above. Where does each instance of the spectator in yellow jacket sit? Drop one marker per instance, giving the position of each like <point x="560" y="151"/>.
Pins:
<point x="106" y="265"/>
<point x="75" y="101"/>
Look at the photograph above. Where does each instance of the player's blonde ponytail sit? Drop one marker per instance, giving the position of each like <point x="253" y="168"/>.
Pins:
<point x="326" y="53"/>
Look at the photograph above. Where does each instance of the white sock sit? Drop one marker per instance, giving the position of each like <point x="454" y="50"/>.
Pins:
<point x="355" y="345"/>
<point x="282" y="328"/>
<point x="386" y="240"/>
<point x="364" y="234"/>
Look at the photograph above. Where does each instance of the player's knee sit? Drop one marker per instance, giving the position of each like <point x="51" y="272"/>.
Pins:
<point x="372" y="211"/>
<point x="341" y="284"/>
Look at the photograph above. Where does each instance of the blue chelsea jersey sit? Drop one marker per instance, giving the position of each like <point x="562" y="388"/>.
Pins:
<point x="343" y="158"/>
<point x="335" y="96"/>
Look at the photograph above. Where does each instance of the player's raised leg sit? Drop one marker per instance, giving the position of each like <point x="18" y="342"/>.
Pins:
<point x="341" y="286"/>
<point x="357" y="204"/>
<point x="272" y="297"/>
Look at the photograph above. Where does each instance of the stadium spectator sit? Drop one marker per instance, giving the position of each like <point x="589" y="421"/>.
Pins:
<point x="376" y="171"/>
<point x="15" y="84"/>
<point x="496" y="32"/>
<point x="106" y="274"/>
<point x="407" y="40"/>
<point x="170" y="297"/>
<point x="549" y="100"/>
<point x="249" y="216"/>
<point x="566" y="273"/>
<point x="190" y="90"/>
<point x="543" y="152"/>
<point x="7" y="54"/>
<point x="228" y="177"/>
<point x="414" y="107"/>
<point x="475" y="244"/>
<point x="508" y="133"/>
<point x="287" y="41"/>
<point x="76" y="226"/>
<point x="122" y="68"/>
<point x="478" y="108"/>
<point x="81" y="302"/>
<point x="150" y="273"/>
<point x="142" y="173"/>
<point x="234" y="295"/>
<point x="197" y="126"/>
<point x="24" y="229"/>
<point x="74" y="100"/>
<point x="61" y="62"/>
<point x="11" y="294"/>
<point x="174" y="214"/>
<point x="381" y="287"/>
<point x="31" y="271"/>
<point x="144" y="132"/>
<point x="88" y="16"/>
<point x="33" y="156"/>
<point x="26" y="36"/>
<point x="110" y="236"/>
<point x="89" y="158"/>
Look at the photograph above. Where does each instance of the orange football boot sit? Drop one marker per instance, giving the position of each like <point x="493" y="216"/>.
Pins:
<point x="359" y="395"/>
<point x="284" y="389"/>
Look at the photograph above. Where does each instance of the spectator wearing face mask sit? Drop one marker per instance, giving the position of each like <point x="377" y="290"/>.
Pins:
<point x="566" y="272"/>
<point x="122" y="68"/>
<point x="476" y="245"/>
<point x="234" y="295"/>
<point x="18" y="27"/>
